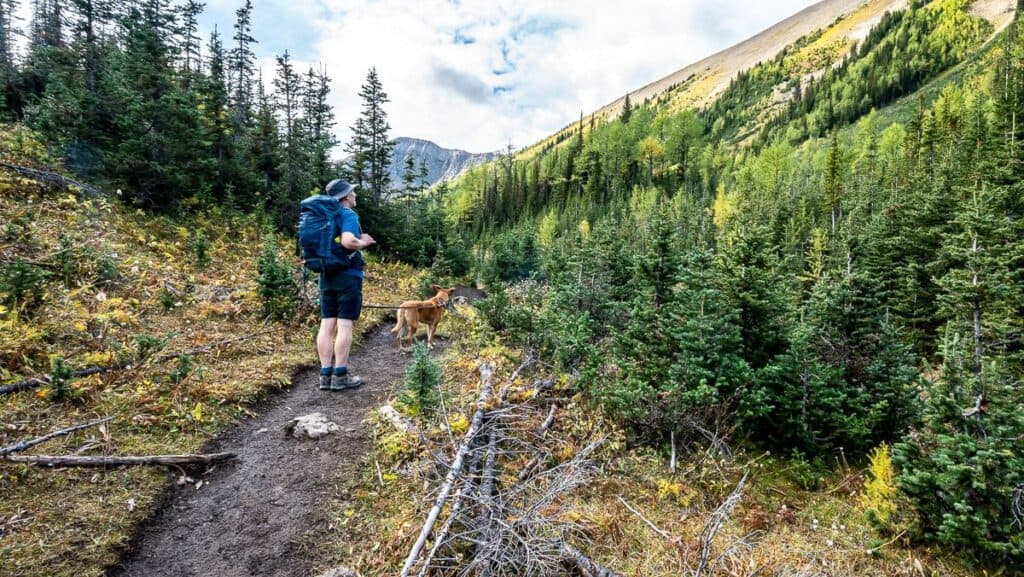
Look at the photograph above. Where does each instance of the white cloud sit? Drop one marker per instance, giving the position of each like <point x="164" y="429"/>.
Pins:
<point x="476" y="75"/>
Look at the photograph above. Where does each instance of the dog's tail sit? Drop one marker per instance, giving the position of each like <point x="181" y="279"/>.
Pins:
<point x="399" y="325"/>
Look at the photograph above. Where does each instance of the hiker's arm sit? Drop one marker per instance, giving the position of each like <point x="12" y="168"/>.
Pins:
<point x="349" y="241"/>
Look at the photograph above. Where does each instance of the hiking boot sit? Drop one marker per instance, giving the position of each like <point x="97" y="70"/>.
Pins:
<point x="346" y="381"/>
<point x="325" y="382"/>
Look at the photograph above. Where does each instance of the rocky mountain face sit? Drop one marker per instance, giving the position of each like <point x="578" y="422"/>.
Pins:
<point x="442" y="163"/>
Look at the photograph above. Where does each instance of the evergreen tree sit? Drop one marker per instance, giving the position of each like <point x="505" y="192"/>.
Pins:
<point x="241" y="67"/>
<point x="157" y="165"/>
<point x="409" y="174"/>
<point x="9" y="93"/>
<point x="370" y="149"/>
<point x="319" y="121"/>
<point x="627" y="110"/>
<point x="214" y="91"/>
<point x="424" y="175"/>
<point x="296" y="181"/>
<point x="191" y="59"/>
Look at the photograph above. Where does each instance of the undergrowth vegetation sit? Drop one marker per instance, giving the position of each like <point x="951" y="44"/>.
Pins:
<point x="640" y="514"/>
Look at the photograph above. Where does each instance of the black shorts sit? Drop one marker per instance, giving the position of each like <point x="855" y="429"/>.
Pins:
<point x="344" y="302"/>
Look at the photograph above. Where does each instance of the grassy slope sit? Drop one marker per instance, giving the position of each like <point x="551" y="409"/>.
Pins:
<point x="74" y="522"/>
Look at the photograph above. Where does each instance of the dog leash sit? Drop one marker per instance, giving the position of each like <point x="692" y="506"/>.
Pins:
<point x="392" y="307"/>
<point x="450" y="306"/>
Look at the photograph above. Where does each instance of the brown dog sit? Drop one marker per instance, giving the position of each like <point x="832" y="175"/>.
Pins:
<point x="429" y="312"/>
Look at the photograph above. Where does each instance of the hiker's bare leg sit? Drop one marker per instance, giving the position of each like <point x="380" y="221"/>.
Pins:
<point x="343" y="343"/>
<point x="325" y="341"/>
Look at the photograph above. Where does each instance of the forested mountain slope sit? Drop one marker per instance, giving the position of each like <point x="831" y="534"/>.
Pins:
<point x="799" y="262"/>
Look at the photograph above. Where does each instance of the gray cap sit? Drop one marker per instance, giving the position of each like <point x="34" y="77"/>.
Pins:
<point x="338" y="188"/>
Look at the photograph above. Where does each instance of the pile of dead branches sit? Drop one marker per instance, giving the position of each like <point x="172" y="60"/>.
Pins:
<point x="504" y="496"/>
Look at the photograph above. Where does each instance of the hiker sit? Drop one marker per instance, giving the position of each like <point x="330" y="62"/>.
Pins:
<point x="341" y="294"/>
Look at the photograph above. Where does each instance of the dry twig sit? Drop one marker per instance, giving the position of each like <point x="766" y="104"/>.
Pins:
<point x="18" y="447"/>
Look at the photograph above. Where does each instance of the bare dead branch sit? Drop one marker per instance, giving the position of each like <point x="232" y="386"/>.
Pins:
<point x="127" y="461"/>
<point x="486" y="385"/>
<point x="38" y="381"/>
<point x="33" y="382"/>
<point x="18" y="447"/>
<point x="647" y="521"/>
<point x="210" y="347"/>
<point x="714" y="524"/>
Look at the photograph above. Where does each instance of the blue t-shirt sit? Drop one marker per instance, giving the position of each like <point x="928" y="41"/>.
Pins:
<point x="349" y="223"/>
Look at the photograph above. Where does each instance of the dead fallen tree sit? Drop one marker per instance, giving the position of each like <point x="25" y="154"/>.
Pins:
<point x="51" y="179"/>
<point x="33" y="382"/>
<point x="486" y="385"/>
<point x="105" y="461"/>
<point x="114" y="461"/>
<point x="519" y="528"/>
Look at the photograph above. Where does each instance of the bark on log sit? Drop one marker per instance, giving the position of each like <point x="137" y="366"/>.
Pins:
<point x="486" y="385"/>
<point x="128" y="461"/>
<point x="50" y="178"/>
<point x="584" y="564"/>
<point x="41" y="380"/>
<point x="21" y="446"/>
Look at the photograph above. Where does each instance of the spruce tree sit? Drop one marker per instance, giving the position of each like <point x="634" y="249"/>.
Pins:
<point x="241" y="67"/>
<point x="370" y="149"/>
<point x="9" y="93"/>
<point x="295" y="179"/>
<point x="319" y="122"/>
<point x="409" y="174"/>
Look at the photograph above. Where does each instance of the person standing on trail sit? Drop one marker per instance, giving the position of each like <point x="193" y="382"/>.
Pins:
<point x="341" y="295"/>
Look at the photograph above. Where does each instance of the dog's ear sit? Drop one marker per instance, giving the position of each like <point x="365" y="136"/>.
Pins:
<point x="435" y="287"/>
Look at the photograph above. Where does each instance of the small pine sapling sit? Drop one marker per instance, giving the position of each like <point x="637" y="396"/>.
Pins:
<point x="421" y="392"/>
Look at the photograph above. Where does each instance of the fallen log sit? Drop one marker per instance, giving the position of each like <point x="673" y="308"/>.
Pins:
<point x="486" y="385"/>
<point x="50" y="178"/>
<point x="41" y="380"/>
<point x="113" y="461"/>
<point x="442" y="535"/>
<point x="21" y="446"/>
<point x="585" y="565"/>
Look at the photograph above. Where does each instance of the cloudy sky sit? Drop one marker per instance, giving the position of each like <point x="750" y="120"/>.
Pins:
<point x="478" y="74"/>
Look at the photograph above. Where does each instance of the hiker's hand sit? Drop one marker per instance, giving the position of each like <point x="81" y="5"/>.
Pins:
<point x="366" y="240"/>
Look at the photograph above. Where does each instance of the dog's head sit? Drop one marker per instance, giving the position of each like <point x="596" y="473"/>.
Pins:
<point x="443" y="296"/>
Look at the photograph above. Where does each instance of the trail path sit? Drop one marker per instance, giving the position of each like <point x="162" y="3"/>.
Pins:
<point x="250" y="515"/>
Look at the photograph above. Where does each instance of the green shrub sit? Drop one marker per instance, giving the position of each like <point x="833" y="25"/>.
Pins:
<point x="185" y="368"/>
<point x="147" y="345"/>
<point x="420" y="388"/>
<point x="276" y="286"/>
<point x="200" y="246"/>
<point x="61" y="376"/>
<point x="22" y="285"/>
<point x="168" y="299"/>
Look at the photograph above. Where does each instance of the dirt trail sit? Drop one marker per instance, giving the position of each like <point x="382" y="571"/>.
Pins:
<point x="250" y="515"/>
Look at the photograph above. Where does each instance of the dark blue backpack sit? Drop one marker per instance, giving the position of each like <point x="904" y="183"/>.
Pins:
<point x="319" y="225"/>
